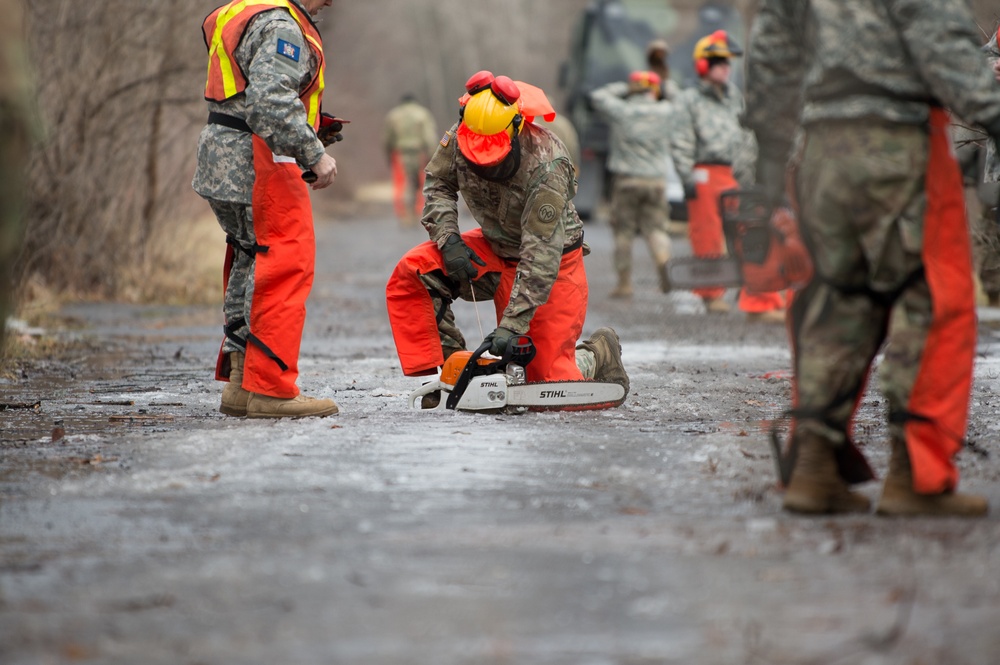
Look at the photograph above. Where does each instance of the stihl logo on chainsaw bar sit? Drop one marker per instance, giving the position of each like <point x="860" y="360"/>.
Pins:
<point x="551" y="394"/>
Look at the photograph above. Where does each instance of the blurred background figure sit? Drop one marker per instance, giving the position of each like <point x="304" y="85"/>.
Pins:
<point x="640" y="148"/>
<point x="657" y="57"/>
<point x="712" y="153"/>
<point x="409" y="138"/>
<point x="17" y="127"/>
<point x="981" y="200"/>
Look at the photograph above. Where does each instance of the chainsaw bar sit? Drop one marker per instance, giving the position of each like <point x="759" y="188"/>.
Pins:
<point x="566" y="395"/>
<point x="690" y="272"/>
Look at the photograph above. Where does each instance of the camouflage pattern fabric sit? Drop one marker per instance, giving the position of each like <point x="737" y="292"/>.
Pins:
<point x="640" y="131"/>
<point x="409" y="127"/>
<point x="529" y="218"/>
<point x="639" y="208"/>
<point x="879" y="59"/>
<point x="870" y="239"/>
<point x="565" y="132"/>
<point x="270" y="105"/>
<point x="982" y="199"/>
<point x="18" y="129"/>
<point x="236" y="220"/>
<point x="707" y="130"/>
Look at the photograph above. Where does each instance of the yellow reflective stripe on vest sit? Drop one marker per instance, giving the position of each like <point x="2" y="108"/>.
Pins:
<point x="217" y="50"/>
<point x="312" y="113"/>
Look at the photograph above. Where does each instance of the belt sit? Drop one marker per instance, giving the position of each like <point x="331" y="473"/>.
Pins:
<point x="713" y="163"/>
<point x="575" y="246"/>
<point x="230" y="121"/>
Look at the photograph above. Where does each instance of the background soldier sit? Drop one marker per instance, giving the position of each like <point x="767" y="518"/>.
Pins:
<point x="262" y="132"/>
<point x="658" y="59"/>
<point x="714" y="154"/>
<point x="18" y="124"/>
<point x="518" y="182"/>
<point x="882" y="209"/>
<point x="409" y="138"/>
<point x="640" y="148"/>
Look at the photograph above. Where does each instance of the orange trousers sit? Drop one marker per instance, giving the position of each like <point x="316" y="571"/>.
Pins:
<point x="555" y="327"/>
<point x="707" y="238"/>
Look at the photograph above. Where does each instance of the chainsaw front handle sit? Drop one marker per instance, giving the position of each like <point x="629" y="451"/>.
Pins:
<point x="426" y="389"/>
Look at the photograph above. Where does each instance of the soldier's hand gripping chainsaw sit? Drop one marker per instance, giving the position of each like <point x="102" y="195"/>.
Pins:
<point x="330" y="128"/>
<point x="474" y="383"/>
<point x="766" y="252"/>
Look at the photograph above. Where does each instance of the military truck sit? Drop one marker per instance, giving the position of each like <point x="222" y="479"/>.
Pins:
<point x="608" y="43"/>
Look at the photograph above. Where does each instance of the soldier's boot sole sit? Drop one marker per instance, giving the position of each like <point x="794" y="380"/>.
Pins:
<point x="301" y="406"/>
<point x="899" y="500"/>
<point x="816" y="487"/>
<point x="234" y="396"/>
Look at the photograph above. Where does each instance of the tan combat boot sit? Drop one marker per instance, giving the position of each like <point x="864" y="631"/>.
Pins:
<point x="234" y="397"/>
<point x="607" y="350"/>
<point x="624" y="289"/>
<point x="816" y="487"/>
<point x="899" y="499"/>
<point x="300" y="406"/>
<point x="665" y="285"/>
<point x="770" y="316"/>
<point x="716" y="305"/>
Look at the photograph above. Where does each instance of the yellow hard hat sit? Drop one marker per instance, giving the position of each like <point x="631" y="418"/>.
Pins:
<point x="488" y="123"/>
<point x="715" y="45"/>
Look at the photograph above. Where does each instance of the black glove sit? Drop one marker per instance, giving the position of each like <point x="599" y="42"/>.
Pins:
<point x="330" y="128"/>
<point x="771" y="179"/>
<point x="690" y="191"/>
<point x="458" y="259"/>
<point x="499" y="339"/>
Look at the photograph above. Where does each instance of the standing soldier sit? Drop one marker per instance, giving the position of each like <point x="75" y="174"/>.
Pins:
<point x="882" y="209"/>
<point x="712" y="152"/>
<point x="518" y="182"/>
<point x="265" y="85"/>
<point x="658" y="59"/>
<point x="17" y="125"/>
<point x="640" y="148"/>
<point x="409" y="137"/>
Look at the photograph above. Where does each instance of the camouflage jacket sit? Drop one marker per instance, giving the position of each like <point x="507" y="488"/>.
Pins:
<point x="410" y="128"/>
<point x="640" y="131"/>
<point x="270" y="105"/>
<point x="707" y="130"/>
<point x="814" y="61"/>
<point x="529" y="219"/>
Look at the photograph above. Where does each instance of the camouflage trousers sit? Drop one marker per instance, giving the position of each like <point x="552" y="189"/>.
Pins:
<point x="862" y="201"/>
<point x="444" y="290"/>
<point x="985" y="242"/>
<point x="639" y="208"/>
<point x="236" y="220"/>
<point x="14" y="148"/>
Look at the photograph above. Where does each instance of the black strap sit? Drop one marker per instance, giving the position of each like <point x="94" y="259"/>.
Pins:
<point x="253" y="339"/>
<point x="252" y="251"/>
<point x="575" y="246"/>
<point x="230" y="331"/>
<point x="232" y="122"/>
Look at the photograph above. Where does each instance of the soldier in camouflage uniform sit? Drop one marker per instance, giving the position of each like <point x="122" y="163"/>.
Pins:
<point x="409" y="139"/>
<point x="714" y="154"/>
<point x="267" y="89"/>
<point x="658" y="59"/>
<point x="18" y="126"/>
<point x="640" y="148"/>
<point x="992" y="170"/>
<point x="882" y="210"/>
<point x="517" y="180"/>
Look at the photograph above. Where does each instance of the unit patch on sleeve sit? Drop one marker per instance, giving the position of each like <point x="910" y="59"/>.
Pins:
<point x="445" y="139"/>
<point x="290" y="51"/>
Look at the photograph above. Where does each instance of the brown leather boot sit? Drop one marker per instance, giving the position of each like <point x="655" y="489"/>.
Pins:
<point x="300" y="406"/>
<point x="716" y="305"/>
<point x="665" y="285"/>
<point x="234" y="397"/>
<point x="816" y="487"/>
<point x="899" y="499"/>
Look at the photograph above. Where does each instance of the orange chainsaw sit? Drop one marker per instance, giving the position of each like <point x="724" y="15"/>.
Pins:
<point x="499" y="385"/>
<point x="766" y="252"/>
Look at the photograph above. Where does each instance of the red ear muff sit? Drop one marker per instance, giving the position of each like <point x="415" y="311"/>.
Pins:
<point x="701" y="66"/>
<point x="479" y="82"/>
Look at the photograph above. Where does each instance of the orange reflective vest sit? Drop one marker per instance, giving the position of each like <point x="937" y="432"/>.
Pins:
<point x="223" y="30"/>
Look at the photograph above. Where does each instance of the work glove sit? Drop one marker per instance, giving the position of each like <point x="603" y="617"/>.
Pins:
<point x="458" y="259"/>
<point x="771" y="179"/>
<point x="330" y="128"/>
<point x="499" y="339"/>
<point x="690" y="191"/>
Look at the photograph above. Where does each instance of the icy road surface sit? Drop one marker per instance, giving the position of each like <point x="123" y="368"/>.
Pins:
<point x="138" y="525"/>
